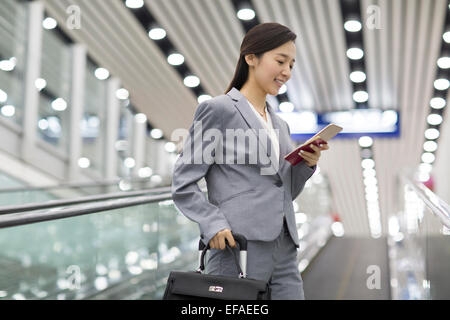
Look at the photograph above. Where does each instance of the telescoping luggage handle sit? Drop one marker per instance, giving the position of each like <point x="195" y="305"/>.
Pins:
<point x="242" y="267"/>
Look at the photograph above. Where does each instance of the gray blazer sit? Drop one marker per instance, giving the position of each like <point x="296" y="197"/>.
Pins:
<point x="240" y="196"/>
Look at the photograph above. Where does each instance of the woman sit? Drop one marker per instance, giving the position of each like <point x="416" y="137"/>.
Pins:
<point x="250" y="187"/>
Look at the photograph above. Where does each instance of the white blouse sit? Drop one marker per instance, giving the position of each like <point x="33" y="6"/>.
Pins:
<point x="268" y="126"/>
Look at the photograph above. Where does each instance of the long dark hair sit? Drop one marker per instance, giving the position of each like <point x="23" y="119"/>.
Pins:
<point x="259" y="39"/>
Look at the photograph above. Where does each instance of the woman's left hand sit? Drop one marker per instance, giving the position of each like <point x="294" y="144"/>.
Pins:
<point x="311" y="159"/>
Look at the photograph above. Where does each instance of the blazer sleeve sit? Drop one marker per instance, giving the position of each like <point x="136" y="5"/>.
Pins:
<point x="187" y="196"/>
<point x="300" y="173"/>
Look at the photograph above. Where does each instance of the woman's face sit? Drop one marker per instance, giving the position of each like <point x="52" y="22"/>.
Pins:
<point x="274" y="67"/>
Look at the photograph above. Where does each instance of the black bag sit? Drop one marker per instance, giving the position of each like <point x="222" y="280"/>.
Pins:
<point x="195" y="285"/>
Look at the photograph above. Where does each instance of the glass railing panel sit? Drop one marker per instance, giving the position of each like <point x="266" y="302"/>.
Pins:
<point x="17" y="196"/>
<point x="419" y="247"/>
<point x="22" y="197"/>
<point x="436" y="245"/>
<point x="313" y="216"/>
<point x="119" y="254"/>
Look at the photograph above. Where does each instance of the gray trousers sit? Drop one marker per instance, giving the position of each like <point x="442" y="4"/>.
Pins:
<point x="273" y="261"/>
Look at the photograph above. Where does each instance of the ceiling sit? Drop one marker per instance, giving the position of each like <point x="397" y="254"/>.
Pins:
<point x="400" y="63"/>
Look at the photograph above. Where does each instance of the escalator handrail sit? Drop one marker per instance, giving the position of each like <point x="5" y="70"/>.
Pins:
<point x="68" y="202"/>
<point x="29" y="217"/>
<point x="438" y="206"/>
<point x="73" y="185"/>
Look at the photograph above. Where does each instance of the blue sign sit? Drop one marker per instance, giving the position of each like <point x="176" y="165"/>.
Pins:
<point x="355" y="123"/>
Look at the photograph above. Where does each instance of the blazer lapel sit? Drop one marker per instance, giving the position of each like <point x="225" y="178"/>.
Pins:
<point x="244" y="108"/>
<point x="252" y="121"/>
